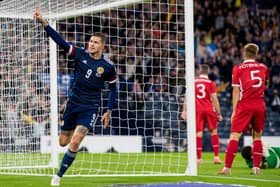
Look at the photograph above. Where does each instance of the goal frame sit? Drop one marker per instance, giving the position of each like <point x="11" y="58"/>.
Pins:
<point x="191" y="169"/>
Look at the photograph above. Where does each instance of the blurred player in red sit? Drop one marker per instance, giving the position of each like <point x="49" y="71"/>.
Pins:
<point x="249" y="81"/>
<point x="207" y="111"/>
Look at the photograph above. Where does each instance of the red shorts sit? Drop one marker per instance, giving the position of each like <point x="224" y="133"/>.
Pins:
<point x="249" y="114"/>
<point x="203" y="117"/>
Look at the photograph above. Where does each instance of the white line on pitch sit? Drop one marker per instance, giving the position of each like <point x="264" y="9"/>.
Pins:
<point x="241" y="178"/>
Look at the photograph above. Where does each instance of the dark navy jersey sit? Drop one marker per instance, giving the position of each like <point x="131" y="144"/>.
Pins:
<point x="90" y="77"/>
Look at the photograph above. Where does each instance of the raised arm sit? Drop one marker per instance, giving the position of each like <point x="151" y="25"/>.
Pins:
<point x="52" y="33"/>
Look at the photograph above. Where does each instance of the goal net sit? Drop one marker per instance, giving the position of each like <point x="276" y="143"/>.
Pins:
<point x="146" y="40"/>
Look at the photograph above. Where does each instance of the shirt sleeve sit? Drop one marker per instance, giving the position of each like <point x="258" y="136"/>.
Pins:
<point x="235" y="78"/>
<point x="57" y="38"/>
<point x="112" y="76"/>
<point x="112" y="95"/>
<point x="71" y="50"/>
<point x="212" y="87"/>
<point x="75" y="52"/>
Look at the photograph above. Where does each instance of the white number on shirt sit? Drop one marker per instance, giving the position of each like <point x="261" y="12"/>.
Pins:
<point x="201" y="91"/>
<point x="255" y="77"/>
<point x="89" y="72"/>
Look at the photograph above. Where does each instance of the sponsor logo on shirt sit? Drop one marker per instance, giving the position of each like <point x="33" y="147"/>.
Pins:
<point x="100" y="71"/>
<point x="84" y="61"/>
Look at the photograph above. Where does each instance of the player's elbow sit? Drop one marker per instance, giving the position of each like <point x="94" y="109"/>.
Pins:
<point x="63" y="144"/>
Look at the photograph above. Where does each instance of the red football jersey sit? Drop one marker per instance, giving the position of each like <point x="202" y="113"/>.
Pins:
<point x="203" y="88"/>
<point x="251" y="76"/>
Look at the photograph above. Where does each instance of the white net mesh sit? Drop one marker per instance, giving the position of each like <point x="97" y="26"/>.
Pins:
<point x="146" y="43"/>
<point x="24" y="93"/>
<point x="53" y="8"/>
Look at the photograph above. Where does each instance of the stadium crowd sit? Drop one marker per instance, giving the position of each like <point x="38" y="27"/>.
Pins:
<point x="152" y="71"/>
<point x="146" y="42"/>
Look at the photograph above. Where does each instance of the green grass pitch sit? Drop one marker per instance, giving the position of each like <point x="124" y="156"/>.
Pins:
<point x="206" y="173"/>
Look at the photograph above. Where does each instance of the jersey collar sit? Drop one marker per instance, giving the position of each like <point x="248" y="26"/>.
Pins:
<point x="203" y="76"/>
<point x="249" y="60"/>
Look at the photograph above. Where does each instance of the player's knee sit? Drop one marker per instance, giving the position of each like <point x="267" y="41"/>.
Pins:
<point x="199" y="134"/>
<point x="74" y="145"/>
<point x="257" y="135"/>
<point x="235" y="136"/>
<point x="63" y="144"/>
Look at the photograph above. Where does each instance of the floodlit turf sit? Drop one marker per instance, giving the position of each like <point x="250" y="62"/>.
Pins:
<point x="207" y="173"/>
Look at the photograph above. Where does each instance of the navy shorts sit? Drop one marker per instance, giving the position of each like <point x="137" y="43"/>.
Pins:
<point x="79" y="115"/>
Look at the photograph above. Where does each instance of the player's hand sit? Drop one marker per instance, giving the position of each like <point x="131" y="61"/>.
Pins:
<point x="106" y="119"/>
<point x="219" y="117"/>
<point x="38" y="16"/>
<point x="184" y="115"/>
<point x="263" y="165"/>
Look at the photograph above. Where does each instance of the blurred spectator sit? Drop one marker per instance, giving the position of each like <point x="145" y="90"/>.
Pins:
<point x="275" y="101"/>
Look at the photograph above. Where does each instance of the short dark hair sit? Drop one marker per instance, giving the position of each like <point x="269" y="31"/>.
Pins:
<point x="101" y="36"/>
<point x="204" y="69"/>
<point x="246" y="153"/>
<point x="251" y="50"/>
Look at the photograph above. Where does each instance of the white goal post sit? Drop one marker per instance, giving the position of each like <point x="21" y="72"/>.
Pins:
<point x="152" y="46"/>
